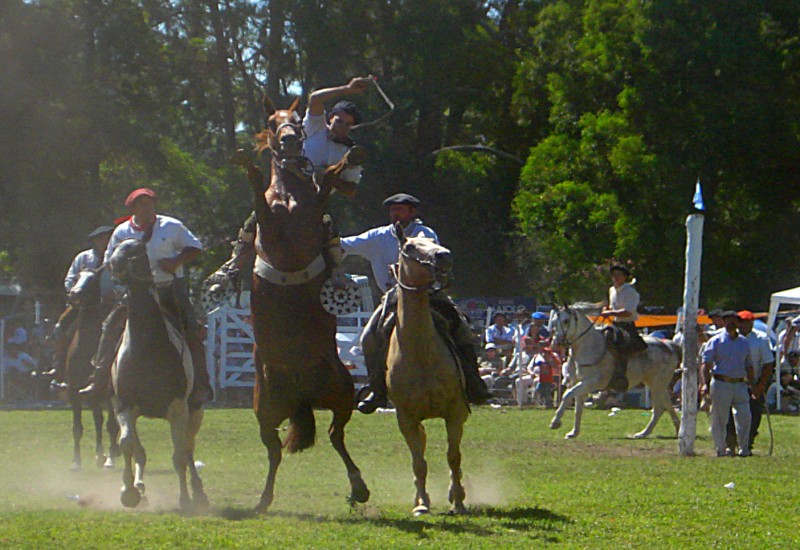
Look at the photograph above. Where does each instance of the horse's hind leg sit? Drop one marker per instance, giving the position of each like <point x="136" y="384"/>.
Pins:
<point x="268" y="424"/>
<point x="97" y="416"/>
<point x="456" y="494"/>
<point x="414" y="434"/>
<point x="199" y="498"/>
<point x="358" y="489"/>
<point x="77" y="434"/>
<point x="661" y="403"/>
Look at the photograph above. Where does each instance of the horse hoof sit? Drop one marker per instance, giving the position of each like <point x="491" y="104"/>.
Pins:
<point x="200" y="503"/>
<point x="261" y="508"/>
<point x="185" y="503"/>
<point x="130" y="498"/>
<point x="75" y="467"/>
<point x="421" y="510"/>
<point x="640" y="435"/>
<point x="554" y="425"/>
<point x="358" y="492"/>
<point x="458" y="509"/>
<point x="109" y="463"/>
<point x="571" y="435"/>
<point x="99" y="461"/>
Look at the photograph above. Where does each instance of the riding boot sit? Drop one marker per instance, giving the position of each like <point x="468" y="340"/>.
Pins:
<point x="100" y="381"/>
<point x="619" y="380"/>
<point x="374" y="345"/>
<point x="202" y="391"/>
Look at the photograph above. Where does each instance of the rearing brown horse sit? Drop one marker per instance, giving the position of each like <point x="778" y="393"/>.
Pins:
<point x="297" y="365"/>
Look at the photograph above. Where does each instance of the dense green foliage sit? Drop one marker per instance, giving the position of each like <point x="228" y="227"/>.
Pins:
<point x="526" y="486"/>
<point x="616" y="107"/>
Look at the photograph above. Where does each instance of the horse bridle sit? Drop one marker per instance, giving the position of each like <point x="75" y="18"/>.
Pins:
<point x="567" y="343"/>
<point x="425" y="263"/>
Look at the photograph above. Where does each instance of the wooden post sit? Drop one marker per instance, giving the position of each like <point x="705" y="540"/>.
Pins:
<point x="691" y="292"/>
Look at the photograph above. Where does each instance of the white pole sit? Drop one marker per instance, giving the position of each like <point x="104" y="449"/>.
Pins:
<point x="2" y="360"/>
<point x="691" y="292"/>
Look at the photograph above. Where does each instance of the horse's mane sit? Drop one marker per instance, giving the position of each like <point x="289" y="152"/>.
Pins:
<point x="587" y="308"/>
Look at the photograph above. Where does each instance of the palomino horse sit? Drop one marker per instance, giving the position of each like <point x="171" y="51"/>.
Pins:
<point x="85" y="295"/>
<point x="424" y="377"/>
<point x="152" y="376"/>
<point x="594" y="366"/>
<point x="297" y="365"/>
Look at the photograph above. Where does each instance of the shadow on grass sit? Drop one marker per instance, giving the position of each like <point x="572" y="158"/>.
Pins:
<point x="528" y="519"/>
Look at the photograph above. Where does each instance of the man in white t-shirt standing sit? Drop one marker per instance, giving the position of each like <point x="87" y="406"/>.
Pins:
<point x="170" y="245"/>
<point x="623" y="304"/>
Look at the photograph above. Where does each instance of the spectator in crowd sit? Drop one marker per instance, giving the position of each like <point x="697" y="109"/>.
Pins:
<point x="491" y="364"/>
<point x="18" y="365"/>
<point x="728" y="366"/>
<point x="790" y="396"/>
<point x="787" y="339"/>
<point x="544" y="379"/>
<point x="522" y="322"/>
<point x="790" y="363"/>
<point x="19" y="334"/>
<point x="539" y="325"/>
<point x="763" y="366"/>
<point x="718" y="324"/>
<point x="519" y="363"/>
<point x="501" y="335"/>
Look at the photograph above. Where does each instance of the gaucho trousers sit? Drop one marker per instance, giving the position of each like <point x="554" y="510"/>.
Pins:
<point x="725" y="395"/>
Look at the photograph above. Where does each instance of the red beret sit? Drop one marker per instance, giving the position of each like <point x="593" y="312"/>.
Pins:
<point x="141" y="192"/>
<point x="746" y="315"/>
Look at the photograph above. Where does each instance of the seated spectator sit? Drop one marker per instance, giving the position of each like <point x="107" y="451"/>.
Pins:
<point x="790" y="396"/>
<point x="501" y="335"/>
<point x="787" y="339"/>
<point x="519" y="363"/>
<point x="18" y="365"/>
<point x="492" y="364"/>
<point x="522" y="321"/>
<point x="543" y="378"/>
<point x="539" y="325"/>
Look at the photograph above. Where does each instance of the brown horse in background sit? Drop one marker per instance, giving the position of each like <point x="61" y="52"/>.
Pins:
<point x="424" y="376"/>
<point x="297" y="364"/>
<point x="86" y="296"/>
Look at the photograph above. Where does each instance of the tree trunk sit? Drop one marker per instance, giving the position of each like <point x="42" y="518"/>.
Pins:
<point x="226" y="87"/>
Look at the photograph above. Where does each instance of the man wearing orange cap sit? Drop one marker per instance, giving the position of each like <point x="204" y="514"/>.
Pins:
<point x="170" y="245"/>
<point x="763" y="366"/>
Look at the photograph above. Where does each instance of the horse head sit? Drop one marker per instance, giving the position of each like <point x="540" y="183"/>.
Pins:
<point x="282" y="140"/>
<point x="86" y="290"/>
<point x="570" y="323"/>
<point x="422" y="261"/>
<point x="129" y="262"/>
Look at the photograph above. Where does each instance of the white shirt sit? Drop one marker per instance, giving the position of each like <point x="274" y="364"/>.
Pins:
<point x="624" y="297"/>
<point x="760" y="351"/>
<point x="169" y="239"/>
<point x="321" y="150"/>
<point x="381" y="248"/>
<point x="88" y="259"/>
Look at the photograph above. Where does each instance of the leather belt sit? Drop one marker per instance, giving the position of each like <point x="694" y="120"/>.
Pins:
<point x="724" y="378"/>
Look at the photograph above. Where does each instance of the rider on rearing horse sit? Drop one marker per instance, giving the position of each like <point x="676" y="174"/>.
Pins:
<point x="326" y="142"/>
<point x="380" y="247"/>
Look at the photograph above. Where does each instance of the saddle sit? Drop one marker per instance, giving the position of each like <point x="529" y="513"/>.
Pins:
<point x="622" y="345"/>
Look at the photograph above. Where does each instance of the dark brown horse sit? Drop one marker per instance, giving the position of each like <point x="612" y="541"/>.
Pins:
<point x="297" y="365"/>
<point x="86" y="296"/>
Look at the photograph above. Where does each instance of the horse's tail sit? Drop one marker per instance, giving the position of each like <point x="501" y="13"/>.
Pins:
<point x="302" y="430"/>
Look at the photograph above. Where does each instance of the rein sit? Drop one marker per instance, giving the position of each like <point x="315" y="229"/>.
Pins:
<point x="569" y="344"/>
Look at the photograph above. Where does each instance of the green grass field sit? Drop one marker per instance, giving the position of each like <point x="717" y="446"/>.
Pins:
<point x="526" y="486"/>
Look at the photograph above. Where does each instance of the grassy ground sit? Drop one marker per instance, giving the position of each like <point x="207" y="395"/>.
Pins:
<point x="526" y="486"/>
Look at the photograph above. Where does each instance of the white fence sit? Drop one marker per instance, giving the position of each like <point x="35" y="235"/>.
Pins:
<point x="229" y="341"/>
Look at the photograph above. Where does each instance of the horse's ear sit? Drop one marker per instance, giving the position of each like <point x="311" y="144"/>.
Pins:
<point x="269" y="108"/>
<point x="399" y="233"/>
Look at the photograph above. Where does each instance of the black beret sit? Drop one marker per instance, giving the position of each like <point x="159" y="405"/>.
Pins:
<point x="729" y="313"/>
<point x="716" y="312"/>
<point x="347" y="107"/>
<point x="102" y="230"/>
<point x="402" y="198"/>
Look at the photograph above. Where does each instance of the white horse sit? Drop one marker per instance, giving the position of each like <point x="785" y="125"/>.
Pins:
<point x="594" y="366"/>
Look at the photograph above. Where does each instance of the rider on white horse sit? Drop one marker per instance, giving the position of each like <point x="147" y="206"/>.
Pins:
<point x="623" y="302"/>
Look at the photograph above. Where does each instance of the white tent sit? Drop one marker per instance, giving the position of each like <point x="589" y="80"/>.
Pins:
<point x="790" y="296"/>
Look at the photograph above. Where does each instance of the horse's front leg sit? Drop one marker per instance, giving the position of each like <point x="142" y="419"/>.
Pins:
<point x="456" y="494"/>
<point x="130" y="496"/>
<point x="562" y="407"/>
<point x="77" y="434"/>
<point x="178" y="417"/>
<point x="414" y="433"/>
<point x="112" y="427"/>
<point x="199" y="498"/>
